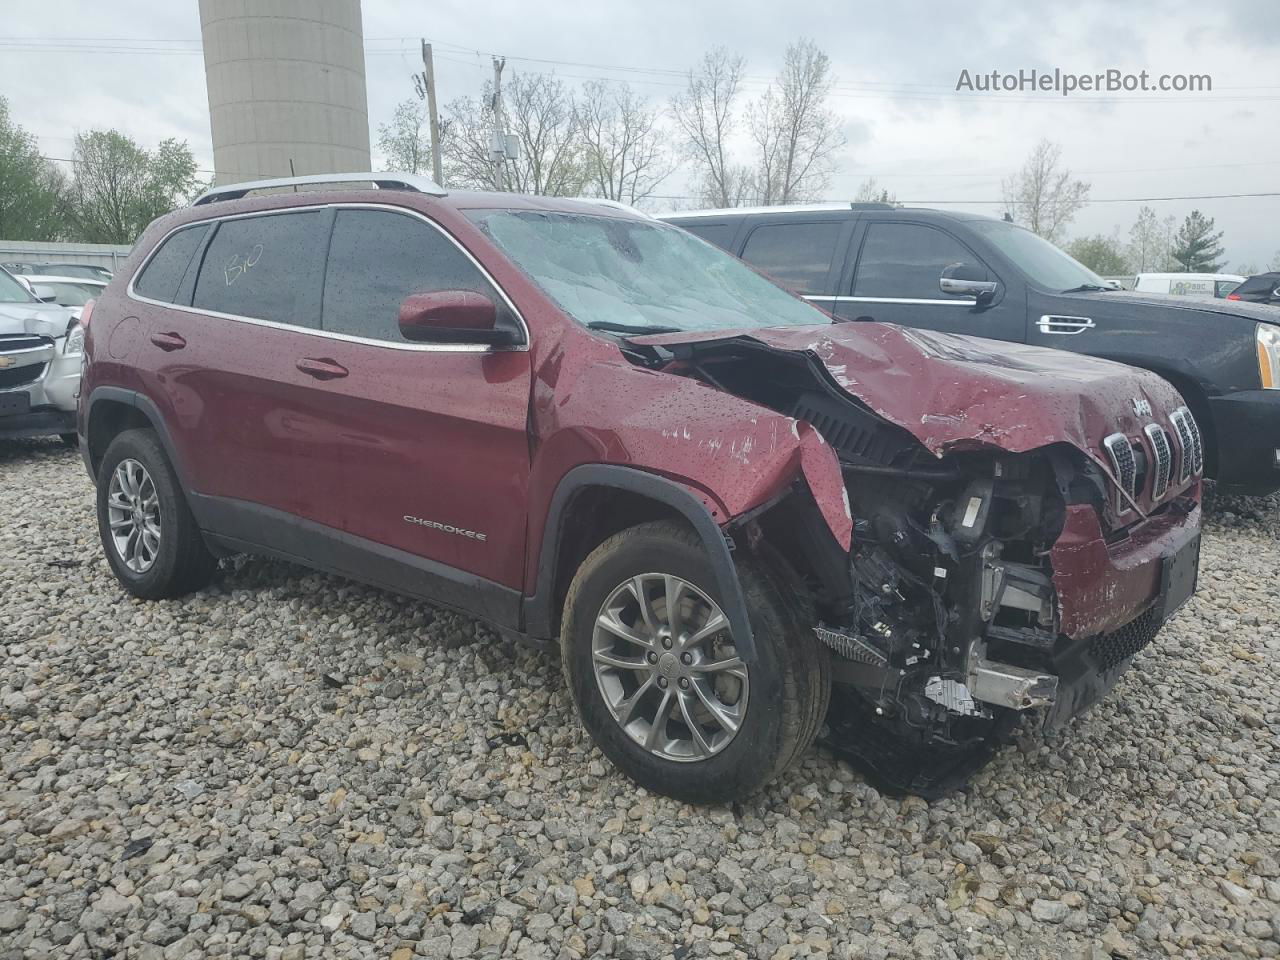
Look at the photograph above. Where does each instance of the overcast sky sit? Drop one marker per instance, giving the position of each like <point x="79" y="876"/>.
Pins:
<point x="896" y="64"/>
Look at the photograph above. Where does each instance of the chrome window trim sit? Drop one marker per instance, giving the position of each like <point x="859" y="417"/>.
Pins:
<point x="968" y="302"/>
<point x="328" y="334"/>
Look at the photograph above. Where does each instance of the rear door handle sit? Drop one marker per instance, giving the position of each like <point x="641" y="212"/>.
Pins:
<point x="1064" y="325"/>
<point x="168" y="341"/>
<point x="322" y="368"/>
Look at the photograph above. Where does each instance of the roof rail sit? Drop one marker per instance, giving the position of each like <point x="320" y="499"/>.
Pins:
<point x="383" y="181"/>
<point x="778" y="208"/>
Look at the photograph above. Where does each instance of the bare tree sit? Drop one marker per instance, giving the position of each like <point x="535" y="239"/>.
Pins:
<point x="1151" y="242"/>
<point x="405" y="142"/>
<point x="795" y="133"/>
<point x="1042" y="195"/>
<point x="541" y="113"/>
<point x="704" y="113"/>
<point x="872" y="192"/>
<point x="624" y="153"/>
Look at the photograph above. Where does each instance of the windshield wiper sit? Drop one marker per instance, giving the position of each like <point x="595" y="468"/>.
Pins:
<point x="1086" y="288"/>
<point x="635" y="330"/>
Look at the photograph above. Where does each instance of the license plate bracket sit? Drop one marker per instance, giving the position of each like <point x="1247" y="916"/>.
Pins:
<point x="14" y="404"/>
<point x="1178" y="577"/>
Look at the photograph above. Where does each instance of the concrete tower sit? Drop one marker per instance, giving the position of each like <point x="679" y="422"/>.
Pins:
<point x="286" y="83"/>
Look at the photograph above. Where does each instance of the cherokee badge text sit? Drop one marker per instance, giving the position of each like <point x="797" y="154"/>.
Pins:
<point x="446" y="527"/>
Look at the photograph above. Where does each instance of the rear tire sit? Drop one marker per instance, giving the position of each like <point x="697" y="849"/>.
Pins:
<point x="150" y="537"/>
<point x="777" y="702"/>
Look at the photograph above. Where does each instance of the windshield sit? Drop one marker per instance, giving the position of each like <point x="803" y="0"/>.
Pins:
<point x="11" y="291"/>
<point x="1042" y="262"/>
<point x="639" y="275"/>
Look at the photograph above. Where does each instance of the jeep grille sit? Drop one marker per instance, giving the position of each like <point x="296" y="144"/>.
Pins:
<point x="1124" y="464"/>
<point x="1163" y="451"/>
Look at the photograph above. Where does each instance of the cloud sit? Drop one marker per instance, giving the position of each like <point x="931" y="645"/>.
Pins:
<point x="896" y="65"/>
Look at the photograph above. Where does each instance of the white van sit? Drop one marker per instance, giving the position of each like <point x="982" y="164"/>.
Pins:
<point x="1188" y="284"/>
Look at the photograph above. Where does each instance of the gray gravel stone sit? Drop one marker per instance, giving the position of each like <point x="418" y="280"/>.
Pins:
<point x="290" y="816"/>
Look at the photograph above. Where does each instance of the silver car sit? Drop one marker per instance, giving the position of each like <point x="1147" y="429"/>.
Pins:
<point x="41" y="348"/>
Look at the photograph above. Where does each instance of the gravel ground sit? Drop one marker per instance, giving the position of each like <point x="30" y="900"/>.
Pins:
<point x="288" y="765"/>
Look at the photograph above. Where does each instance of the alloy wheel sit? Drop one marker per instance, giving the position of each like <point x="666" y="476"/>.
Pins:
<point x="133" y="514"/>
<point x="667" y="667"/>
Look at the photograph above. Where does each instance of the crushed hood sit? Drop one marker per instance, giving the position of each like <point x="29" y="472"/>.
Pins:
<point x="37" y="319"/>
<point x="957" y="393"/>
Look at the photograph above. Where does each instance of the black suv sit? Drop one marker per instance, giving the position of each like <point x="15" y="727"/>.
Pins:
<point x="965" y="273"/>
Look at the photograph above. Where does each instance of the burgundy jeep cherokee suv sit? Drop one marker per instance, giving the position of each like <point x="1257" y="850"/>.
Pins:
<point x="742" y="520"/>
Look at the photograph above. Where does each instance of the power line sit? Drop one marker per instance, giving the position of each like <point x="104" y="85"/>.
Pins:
<point x="842" y="89"/>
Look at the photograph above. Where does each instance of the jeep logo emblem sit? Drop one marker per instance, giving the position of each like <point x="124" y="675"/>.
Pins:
<point x="1141" y="407"/>
<point x="668" y="666"/>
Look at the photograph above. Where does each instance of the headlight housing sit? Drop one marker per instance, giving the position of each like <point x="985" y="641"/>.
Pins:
<point x="74" y="344"/>
<point x="1269" y="355"/>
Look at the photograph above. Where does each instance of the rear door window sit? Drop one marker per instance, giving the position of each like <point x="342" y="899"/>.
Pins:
<point x="796" y="255"/>
<point x="379" y="257"/>
<point x="905" y="261"/>
<point x="266" y="267"/>
<point x="162" y="277"/>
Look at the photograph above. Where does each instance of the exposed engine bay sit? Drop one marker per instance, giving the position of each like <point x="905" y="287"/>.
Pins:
<point x="943" y="618"/>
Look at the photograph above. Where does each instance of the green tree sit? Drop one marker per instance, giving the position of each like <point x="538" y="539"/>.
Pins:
<point x="118" y="187"/>
<point x="31" y="188"/>
<point x="1101" y="254"/>
<point x="1196" y="247"/>
<point x="405" y="142"/>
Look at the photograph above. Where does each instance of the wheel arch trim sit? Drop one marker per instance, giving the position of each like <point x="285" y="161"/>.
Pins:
<point x="538" y="606"/>
<point x="144" y="405"/>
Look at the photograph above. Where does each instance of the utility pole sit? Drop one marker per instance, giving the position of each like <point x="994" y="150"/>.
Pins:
<point x="498" y="146"/>
<point x="429" y="78"/>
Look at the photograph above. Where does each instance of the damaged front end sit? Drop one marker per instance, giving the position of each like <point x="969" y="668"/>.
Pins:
<point x="980" y="583"/>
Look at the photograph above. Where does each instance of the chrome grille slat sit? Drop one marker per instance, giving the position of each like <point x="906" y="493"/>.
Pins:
<point x="1197" y="450"/>
<point x="1124" y="464"/>
<point x="1163" y="452"/>
<point x="1185" y="442"/>
<point x="22" y="341"/>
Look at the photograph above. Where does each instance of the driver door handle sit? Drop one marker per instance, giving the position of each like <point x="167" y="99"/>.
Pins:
<point x="322" y="368"/>
<point x="168" y="341"/>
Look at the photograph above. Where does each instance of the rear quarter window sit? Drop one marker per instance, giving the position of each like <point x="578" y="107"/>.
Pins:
<point x="720" y="234"/>
<point x="162" y="277"/>
<point x="267" y="267"/>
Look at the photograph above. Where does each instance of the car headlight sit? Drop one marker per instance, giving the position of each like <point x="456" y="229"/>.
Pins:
<point x="1269" y="356"/>
<point x="74" y="345"/>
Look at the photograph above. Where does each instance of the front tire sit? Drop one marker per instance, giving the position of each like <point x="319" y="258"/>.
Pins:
<point x="659" y="684"/>
<point x="150" y="537"/>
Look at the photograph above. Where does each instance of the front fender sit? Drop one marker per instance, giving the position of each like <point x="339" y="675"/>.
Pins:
<point x="725" y="455"/>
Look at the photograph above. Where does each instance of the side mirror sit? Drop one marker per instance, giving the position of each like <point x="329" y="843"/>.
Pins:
<point x="451" y="316"/>
<point x="967" y="280"/>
